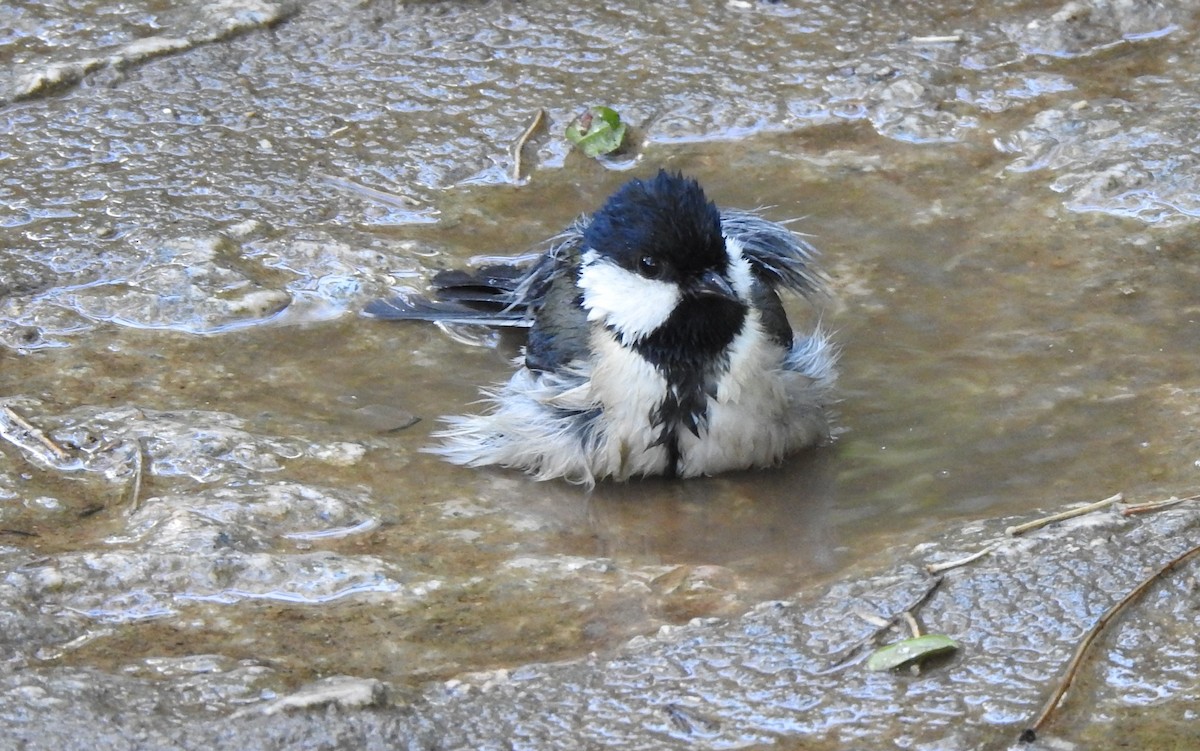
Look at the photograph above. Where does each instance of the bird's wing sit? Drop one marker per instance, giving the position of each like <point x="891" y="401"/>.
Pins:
<point x="498" y="294"/>
<point x="560" y="333"/>
<point x="541" y="296"/>
<point x="771" y="313"/>
<point x="776" y="254"/>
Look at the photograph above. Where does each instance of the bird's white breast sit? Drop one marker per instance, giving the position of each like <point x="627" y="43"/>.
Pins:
<point x="630" y="389"/>
<point x="759" y="415"/>
<point x="750" y="422"/>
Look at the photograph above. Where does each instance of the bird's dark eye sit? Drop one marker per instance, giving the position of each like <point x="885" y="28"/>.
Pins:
<point x="648" y="266"/>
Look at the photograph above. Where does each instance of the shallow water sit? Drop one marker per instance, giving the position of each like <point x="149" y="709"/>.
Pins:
<point x="1005" y="222"/>
<point x="973" y="385"/>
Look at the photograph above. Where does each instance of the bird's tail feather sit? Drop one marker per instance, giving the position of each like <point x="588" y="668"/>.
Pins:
<point x="416" y="308"/>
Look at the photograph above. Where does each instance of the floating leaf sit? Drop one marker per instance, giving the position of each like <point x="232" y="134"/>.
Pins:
<point x="597" y="132"/>
<point x="910" y="650"/>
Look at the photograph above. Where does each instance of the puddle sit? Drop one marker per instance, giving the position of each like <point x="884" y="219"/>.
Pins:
<point x="974" y="384"/>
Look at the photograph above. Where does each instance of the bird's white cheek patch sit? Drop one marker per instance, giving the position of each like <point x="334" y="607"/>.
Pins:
<point x="631" y="304"/>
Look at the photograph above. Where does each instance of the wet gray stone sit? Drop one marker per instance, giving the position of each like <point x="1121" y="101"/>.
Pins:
<point x="203" y="130"/>
<point x="784" y="670"/>
<point x="52" y="51"/>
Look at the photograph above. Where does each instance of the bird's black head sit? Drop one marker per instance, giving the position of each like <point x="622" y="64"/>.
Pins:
<point x="663" y="228"/>
<point x="657" y="273"/>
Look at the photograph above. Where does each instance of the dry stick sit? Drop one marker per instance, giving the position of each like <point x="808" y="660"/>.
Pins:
<point x="19" y="432"/>
<point x="1029" y="735"/>
<point x="1146" y="508"/>
<point x="1070" y="513"/>
<point x="948" y="38"/>
<point x="139" y="462"/>
<point x="914" y="629"/>
<point x="397" y="200"/>
<point x="937" y="568"/>
<point x="918" y="601"/>
<point x="877" y="621"/>
<point x="519" y="146"/>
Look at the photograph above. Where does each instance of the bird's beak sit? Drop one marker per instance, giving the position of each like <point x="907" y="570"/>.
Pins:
<point x="713" y="284"/>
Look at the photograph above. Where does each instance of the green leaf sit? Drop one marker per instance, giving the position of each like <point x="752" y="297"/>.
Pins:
<point x="597" y="132"/>
<point x="910" y="650"/>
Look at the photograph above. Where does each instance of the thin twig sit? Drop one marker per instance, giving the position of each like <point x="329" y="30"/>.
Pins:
<point x="1068" y="514"/>
<point x="848" y="652"/>
<point x="919" y="600"/>
<point x="519" y="146"/>
<point x="139" y="462"/>
<point x="946" y="39"/>
<point x="686" y="719"/>
<point x="914" y="629"/>
<point x="1146" y="508"/>
<point x="53" y="653"/>
<point x="19" y="432"/>
<point x="1029" y="735"/>
<point x="397" y="200"/>
<point x="875" y="620"/>
<point x="937" y="568"/>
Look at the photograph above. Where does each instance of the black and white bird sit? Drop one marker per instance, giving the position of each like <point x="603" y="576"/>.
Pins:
<point x="658" y="344"/>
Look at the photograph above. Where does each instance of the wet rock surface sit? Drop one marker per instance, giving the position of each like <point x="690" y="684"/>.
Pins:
<point x="226" y="536"/>
<point x="271" y="127"/>
<point x="786" y="670"/>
